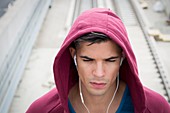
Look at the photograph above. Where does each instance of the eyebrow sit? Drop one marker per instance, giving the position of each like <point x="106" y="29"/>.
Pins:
<point x="113" y="57"/>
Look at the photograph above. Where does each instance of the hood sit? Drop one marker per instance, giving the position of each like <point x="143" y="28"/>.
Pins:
<point x="104" y="21"/>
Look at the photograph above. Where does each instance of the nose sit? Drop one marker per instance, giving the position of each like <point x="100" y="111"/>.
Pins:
<point x="99" y="70"/>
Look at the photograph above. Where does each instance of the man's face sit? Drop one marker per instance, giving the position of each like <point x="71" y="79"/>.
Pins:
<point x="98" y="66"/>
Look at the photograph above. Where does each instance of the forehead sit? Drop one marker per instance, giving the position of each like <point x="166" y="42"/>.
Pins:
<point x="103" y="48"/>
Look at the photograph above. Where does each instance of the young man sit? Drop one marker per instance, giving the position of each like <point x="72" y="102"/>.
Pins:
<point x="95" y="71"/>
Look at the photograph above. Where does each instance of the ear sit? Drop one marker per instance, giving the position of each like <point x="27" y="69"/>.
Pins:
<point x="72" y="51"/>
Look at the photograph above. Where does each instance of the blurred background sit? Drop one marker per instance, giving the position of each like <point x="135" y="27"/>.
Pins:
<point x="32" y="31"/>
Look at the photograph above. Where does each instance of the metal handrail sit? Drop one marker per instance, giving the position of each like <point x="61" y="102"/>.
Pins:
<point x="145" y="25"/>
<point x="16" y="57"/>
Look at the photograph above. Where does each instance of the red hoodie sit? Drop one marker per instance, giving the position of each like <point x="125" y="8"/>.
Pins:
<point x="65" y="74"/>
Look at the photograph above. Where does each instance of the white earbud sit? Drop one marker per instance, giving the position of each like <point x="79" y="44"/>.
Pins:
<point x="75" y="60"/>
<point x="121" y="60"/>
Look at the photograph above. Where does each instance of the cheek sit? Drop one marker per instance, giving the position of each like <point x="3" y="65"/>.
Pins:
<point x="112" y="71"/>
<point x="113" y="68"/>
<point x="83" y="68"/>
<point x="83" y="72"/>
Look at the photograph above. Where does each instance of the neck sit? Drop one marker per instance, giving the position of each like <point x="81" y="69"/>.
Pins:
<point x="101" y="103"/>
<point x="93" y="100"/>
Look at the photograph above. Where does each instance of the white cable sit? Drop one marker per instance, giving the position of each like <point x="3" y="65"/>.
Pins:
<point x="82" y="100"/>
<point x="117" y="86"/>
<point x="81" y="96"/>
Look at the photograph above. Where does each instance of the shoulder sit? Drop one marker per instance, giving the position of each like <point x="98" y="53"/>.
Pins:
<point x="156" y="102"/>
<point x="47" y="103"/>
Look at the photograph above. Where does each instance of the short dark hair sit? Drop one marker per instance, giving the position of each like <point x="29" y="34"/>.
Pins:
<point x="92" y="37"/>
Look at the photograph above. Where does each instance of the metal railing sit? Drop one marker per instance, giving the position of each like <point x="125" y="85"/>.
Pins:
<point x="145" y="25"/>
<point x="18" y="38"/>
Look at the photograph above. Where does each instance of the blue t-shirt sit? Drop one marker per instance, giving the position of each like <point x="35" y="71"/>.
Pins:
<point x="125" y="106"/>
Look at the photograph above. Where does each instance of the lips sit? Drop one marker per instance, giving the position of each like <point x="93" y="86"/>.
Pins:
<point x="98" y="85"/>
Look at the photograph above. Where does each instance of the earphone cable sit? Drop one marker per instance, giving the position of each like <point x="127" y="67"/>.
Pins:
<point x="82" y="99"/>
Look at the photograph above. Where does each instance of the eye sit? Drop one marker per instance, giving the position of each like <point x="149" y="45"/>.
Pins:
<point x="87" y="60"/>
<point x="110" y="60"/>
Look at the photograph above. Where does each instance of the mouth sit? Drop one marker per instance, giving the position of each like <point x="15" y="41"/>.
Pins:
<point x="98" y="85"/>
